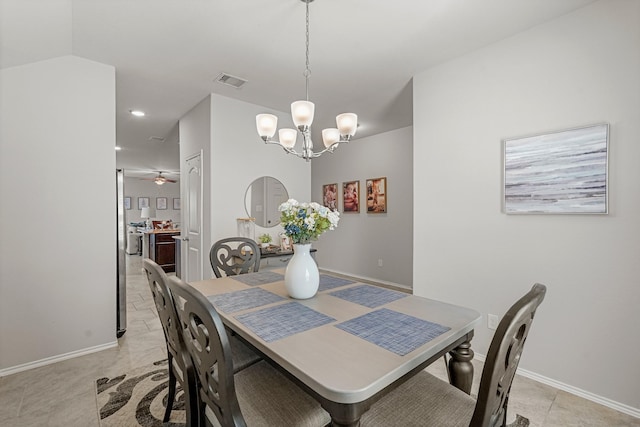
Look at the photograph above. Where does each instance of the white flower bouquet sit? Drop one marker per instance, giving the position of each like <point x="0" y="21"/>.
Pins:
<point x="304" y="222"/>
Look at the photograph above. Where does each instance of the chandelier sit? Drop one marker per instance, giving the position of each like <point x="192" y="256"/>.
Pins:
<point x="302" y="114"/>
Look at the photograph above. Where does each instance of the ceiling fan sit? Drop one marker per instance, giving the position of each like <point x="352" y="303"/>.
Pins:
<point x="159" y="179"/>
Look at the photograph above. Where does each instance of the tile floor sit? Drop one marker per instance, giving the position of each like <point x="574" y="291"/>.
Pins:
<point x="63" y="395"/>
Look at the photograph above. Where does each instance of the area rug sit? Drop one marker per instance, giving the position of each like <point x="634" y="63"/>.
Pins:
<point x="139" y="397"/>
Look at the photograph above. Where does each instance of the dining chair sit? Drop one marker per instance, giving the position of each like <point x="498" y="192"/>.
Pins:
<point x="243" y="356"/>
<point x="425" y="400"/>
<point x="179" y="362"/>
<point x="256" y="396"/>
<point x="234" y="255"/>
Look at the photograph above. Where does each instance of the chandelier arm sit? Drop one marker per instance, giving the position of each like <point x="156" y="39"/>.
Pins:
<point x="288" y="150"/>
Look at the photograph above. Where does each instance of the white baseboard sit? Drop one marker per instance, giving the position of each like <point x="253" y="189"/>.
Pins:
<point x="54" y="359"/>
<point x="620" y="407"/>
<point x="366" y="279"/>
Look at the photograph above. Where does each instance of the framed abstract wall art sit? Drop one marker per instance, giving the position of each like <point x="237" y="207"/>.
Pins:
<point x="351" y="196"/>
<point x="377" y="195"/>
<point x="564" y="172"/>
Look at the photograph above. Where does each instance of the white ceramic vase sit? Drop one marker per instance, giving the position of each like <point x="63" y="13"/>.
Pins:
<point x="301" y="279"/>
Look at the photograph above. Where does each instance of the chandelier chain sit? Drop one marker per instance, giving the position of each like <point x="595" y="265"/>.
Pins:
<point x="307" y="71"/>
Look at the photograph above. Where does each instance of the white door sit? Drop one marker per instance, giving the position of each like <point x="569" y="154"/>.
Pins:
<point x="193" y="218"/>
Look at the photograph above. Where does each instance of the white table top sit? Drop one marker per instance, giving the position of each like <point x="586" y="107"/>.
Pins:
<point x="337" y="365"/>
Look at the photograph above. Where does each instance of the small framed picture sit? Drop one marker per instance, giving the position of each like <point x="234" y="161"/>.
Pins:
<point x="330" y="196"/>
<point x="127" y="203"/>
<point x="143" y="202"/>
<point x="350" y="196"/>
<point x="161" y="203"/>
<point x="285" y="243"/>
<point x="377" y="195"/>
<point x="176" y="204"/>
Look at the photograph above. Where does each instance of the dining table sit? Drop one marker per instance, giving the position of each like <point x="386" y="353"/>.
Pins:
<point x="352" y="342"/>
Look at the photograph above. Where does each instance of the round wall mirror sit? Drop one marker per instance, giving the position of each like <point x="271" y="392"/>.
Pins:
<point x="262" y="199"/>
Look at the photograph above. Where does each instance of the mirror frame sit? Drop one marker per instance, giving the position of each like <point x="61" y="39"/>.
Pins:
<point x="260" y="221"/>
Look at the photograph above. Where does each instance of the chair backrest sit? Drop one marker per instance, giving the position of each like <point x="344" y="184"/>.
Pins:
<point x="165" y="306"/>
<point x="503" y="358"/>
<point x="234" y="255"/>
<point x="208" y="344"/>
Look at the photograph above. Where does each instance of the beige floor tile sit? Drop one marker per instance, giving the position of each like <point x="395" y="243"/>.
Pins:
<point x="66" y="410"/>
<point x="29" y="420"/>
<point x="572" y="411"/>
<point x="10" y="398"/>
<point x="530" y="399"/>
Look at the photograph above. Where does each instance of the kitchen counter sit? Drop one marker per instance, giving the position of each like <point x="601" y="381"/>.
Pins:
<point x="172" y="230"/>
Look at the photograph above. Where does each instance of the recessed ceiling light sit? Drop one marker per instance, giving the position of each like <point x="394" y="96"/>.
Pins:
<point x="137" y="113"/>
<point x="118" y="148"/>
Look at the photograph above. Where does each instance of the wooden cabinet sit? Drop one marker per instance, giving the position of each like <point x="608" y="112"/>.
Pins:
<point x="162" y="249"/>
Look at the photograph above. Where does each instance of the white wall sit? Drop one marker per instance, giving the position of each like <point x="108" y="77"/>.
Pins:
<point x="195" y="137"/>
<point x="362" y="239"/>
<point x="58" y="227"/>
<point x="579" y="69"/>
<point x="239" y="156"/>
<point x="135" y="187"/>
<point x="234" y="155"/>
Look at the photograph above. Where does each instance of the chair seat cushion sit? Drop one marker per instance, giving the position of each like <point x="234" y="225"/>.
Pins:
<point x="268" y="398"/>
<point x="242" y="355"/>
<point x="423" y="400"/>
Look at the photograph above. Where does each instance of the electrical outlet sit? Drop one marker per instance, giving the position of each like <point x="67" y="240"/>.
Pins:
<point x="380" y="262"/>
<point x="492" y="321"/>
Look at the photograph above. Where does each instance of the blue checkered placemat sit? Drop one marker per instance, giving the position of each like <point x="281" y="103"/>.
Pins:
<point x="393" y="331"/>
<point x="242" y="300"/>
<point x="369" y="296"/>
<point x="260" y="278"/>
<point x="281" y="321"/>
<point x="329" y="282"/>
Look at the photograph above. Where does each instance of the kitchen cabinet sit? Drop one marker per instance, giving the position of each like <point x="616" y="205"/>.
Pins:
<point x="162" y="249"/>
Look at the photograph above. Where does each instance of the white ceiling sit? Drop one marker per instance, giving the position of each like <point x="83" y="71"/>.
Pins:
<point x="167" y="53"/>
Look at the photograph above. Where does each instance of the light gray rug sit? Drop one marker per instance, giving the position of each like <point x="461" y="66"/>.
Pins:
<point x="139" y="397"/>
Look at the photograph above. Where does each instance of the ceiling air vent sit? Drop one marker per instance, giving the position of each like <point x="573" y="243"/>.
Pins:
<point x="229" y="80"/>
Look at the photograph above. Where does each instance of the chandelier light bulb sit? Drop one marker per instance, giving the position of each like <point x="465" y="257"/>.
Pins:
<point x="330" y="136"/>
<point x="347" y="123"/>
<point x="288" y="137"/>
<point x="266" y="124"/>
<point x="302" y="113"/>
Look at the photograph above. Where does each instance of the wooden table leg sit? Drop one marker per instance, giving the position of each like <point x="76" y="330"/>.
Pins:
<point x="461" y="368"/>
<point x="344" y="414"/>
